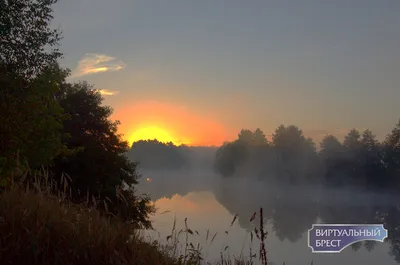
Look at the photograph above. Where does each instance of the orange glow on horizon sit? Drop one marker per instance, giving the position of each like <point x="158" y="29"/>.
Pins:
<point x="153" y="132"/>
<point x="168" y="123"/>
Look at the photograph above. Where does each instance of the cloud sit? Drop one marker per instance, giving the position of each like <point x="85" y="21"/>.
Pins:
<point x="93" y="63"/>
<point x="106" y="92"/>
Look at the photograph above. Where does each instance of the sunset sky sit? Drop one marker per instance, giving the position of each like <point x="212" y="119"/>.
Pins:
<point x="197" y="72"/>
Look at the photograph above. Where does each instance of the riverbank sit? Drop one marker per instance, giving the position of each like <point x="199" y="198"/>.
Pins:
<point x="41" y="229"/>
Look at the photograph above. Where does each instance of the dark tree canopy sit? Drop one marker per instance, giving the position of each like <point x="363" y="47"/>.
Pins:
<point x="27" y="42"/>
<point x="31" y="125"/>
<point x="49" y="123"/>
<point x="291" y="158"/>
<point x="101" y="166"/>
<point x="153" y="154"/>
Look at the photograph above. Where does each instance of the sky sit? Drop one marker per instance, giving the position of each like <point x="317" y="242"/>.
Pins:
<point x="200" y="71"/>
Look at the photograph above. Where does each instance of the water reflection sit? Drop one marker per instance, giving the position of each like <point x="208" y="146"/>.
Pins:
<point x="210" y="203"/>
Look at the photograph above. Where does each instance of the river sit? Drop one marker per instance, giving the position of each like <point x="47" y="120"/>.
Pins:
<point x="209" y="203"/>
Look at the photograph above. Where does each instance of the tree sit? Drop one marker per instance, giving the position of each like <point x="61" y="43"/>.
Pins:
<point x="101" y="168"/>
<point x="31" y="126"/>
<point x="287" y="137"/>
<point x="368" y="141"/>
<point x="330" y="146"/>
<point x="31" y="119"/>
<point x="332" y="157"/>
<point x="157" y="155"/>
<point x="246" y="153"/>
<point x="27" y="43"/>
<point x="392" y="153"/>
<point x="259" y="137"/>
<point x="297" y="157"/>
<point x="229" y="157"/>
<point x="354" y="158"/>
<point x="372" y="160"/>
<point x="352" y="140"/>
<point x="245" y="136"/>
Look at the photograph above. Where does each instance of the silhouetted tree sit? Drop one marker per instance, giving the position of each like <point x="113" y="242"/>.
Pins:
<point x="360" y="161"/>
<point x="352" y="140"/>
<point x="229" y="157"/>
<point x="47" y="122"/>
<point x="392" y="154"/>
<point x="246" y="136"/>
<point x="297" y="157"/>
<point x="259" y="137"/>
<point x="101" y="168"/>
<point x="27" y="42"/>
<point x="332" y="156"/>
<point x="153" y="154"/>
<point x="245" y="156"/>
<point x="31" y="119"/>
<point x="353" y="161"/>
<point x="372" y="160"/>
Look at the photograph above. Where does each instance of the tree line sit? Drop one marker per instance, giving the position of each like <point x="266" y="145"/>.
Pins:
<point x="153" y="154"/>
<point x="48" y="122"/>
<point x="360" y="160"/>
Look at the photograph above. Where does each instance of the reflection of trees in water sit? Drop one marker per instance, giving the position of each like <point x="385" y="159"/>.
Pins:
<point x="352" y="215"/>
<point x="278" y="209"/>
<point x="292" y="215"/>
<point x="291" y="221"/>
<point x="390" y="217"/>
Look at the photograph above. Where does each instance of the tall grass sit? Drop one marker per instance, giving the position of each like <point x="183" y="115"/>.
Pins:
<point x="40" y="225"/>
<point x="180" y="244"/>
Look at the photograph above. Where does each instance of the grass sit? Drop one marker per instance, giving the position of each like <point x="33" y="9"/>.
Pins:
<point x="191" y="254"/>
<point x="40" y="226"/>
<point x="39" y="229"/>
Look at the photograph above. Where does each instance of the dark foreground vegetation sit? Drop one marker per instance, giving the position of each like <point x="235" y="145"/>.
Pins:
<point x="47" y="123"/>
<point x="64" y="127"/>
<point x="39" y="227"/>
<point x="67" y="188"/>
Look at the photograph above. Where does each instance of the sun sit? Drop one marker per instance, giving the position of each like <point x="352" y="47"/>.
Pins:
<point x="151" y="133"/>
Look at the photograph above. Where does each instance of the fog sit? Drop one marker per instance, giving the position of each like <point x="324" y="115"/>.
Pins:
<point x="289" y="209"/>
<point x="199" y="175"/>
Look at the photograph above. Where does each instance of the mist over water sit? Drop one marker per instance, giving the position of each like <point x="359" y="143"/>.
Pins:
<point x="210" y="201"/>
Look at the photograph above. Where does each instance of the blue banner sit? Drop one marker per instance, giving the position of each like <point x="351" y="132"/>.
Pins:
<point x="333" y="238"/>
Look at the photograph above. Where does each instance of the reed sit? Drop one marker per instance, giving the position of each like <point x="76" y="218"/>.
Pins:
<point x="40" y="225"/>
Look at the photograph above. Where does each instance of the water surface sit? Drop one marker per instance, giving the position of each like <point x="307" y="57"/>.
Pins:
<point x="210" y="203"/>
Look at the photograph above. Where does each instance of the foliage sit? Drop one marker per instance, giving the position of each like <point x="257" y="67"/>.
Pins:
<point x="289" y="154"/>
<point x="37" y="229"/>
<point x="292" y="158"/>
<point x="153" y="154"/>
<point x="31" y="118"/>
<point x="296" y="155"/>
<point x="47" y="122"/>
<point x="101" y="167"/>
<point x="229" y="157"/>
<point x="392" y="152"/>
<point x="45" y="228"/>
<point x="27" y="42"/>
